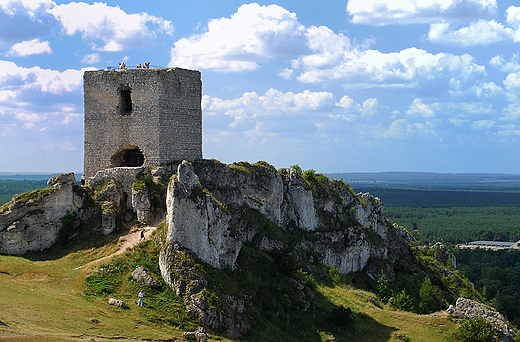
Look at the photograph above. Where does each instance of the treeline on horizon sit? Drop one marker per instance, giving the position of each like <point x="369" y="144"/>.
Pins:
<point x="453" y="216"/>
<point x="427" y="178"/>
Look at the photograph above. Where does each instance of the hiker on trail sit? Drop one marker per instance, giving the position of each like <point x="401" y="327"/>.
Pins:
<point x="141" y="298"/>
<point x="142" y="235"/>
<point x="82" y="179"/>
<point x="450" y="309"/>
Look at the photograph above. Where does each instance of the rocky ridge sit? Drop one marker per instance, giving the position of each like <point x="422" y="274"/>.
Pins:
<point x="214" y="209"/>
<point x="37" y="220"/>
<point x="344" y="229"/>
<point x="467" y="308"/>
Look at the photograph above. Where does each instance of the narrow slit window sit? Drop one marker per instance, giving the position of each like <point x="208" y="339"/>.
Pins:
<point x="125" y="101"/>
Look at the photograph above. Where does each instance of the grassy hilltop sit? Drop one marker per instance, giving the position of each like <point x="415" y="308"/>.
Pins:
<point x="53" y="294"/>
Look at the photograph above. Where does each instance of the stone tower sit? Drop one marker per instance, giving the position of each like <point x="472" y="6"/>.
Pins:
<point x="146" y="117"/>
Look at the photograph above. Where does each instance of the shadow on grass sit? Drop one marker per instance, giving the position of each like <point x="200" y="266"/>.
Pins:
<point x="85" y="243"/>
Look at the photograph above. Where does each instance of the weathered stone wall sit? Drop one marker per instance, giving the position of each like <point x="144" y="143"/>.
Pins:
<point x="157" y="111"/>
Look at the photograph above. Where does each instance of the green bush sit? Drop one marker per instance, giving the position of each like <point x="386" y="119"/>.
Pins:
<point x="334" y="275"/>
<point x="402" y="301"/>
<point x="431" y="297"/>
<point x="476" y="329"/>
<point x="384" y="293"/>
<point x="67" y="228"/>
<point x="105" y="280"/>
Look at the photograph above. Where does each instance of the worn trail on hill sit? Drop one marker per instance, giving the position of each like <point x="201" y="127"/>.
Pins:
<point x="129" y="239"/>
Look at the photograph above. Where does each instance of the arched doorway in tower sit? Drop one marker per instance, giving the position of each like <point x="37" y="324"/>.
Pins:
<point x="127" y="155"/>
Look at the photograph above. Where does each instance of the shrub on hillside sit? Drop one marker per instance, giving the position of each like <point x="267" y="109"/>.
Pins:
<point x="431" y="297"/>
<point x="476" y="329"/>
<point x="402" y="301"/>
<point x="384" y="293"/>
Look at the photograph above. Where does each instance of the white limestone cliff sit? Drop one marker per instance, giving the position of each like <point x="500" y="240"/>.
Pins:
<point x="353" y="228"/>
<point x="34" y="224"/>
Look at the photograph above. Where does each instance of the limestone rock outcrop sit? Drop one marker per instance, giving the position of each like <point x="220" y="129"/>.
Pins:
<point x="214" y="209"/>
<point x="33" y="222"/>
<point x="344" y="229"/>
<point x="467" y="308"/>
<point x="141" y="275"/>
<point x="142" y="205"/>
<point x="219" y="314"/>
<point x="198" y="222"/>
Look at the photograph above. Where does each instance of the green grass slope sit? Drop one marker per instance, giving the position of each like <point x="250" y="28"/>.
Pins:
<point x="52" y="295"/>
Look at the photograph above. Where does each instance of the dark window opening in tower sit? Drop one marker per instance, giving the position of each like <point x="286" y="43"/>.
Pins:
<point x="125" y="101"/>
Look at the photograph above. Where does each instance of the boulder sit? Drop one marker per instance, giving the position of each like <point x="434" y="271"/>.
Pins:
<point x="117" y="302"/>
<point x="142" y="276"/>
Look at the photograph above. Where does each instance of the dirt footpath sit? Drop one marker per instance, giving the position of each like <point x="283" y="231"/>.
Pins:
<point x="129" y="239"/>
<point x="133" y="237"/>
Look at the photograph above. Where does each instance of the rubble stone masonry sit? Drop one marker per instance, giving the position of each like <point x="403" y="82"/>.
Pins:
<point x="146" y="117"/>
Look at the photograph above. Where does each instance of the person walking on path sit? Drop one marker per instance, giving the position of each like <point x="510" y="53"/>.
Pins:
<point x="141" y="298"/>
<point x="142" y="235"/>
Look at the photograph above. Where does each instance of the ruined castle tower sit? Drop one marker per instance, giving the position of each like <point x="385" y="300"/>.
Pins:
<point x="144" y="117"/>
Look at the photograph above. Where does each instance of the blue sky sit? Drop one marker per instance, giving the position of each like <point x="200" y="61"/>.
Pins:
<point x="336" y="86"/>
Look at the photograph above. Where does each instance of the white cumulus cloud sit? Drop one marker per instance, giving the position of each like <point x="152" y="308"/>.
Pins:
<point x="403" y="129"/>
<point x="418" y="108"/>
<point x="253" y="34"/>
<point x="24" y="20"/>
<point x="31" y="47"/>
<point x="272" y="103"/>
<point x="28" y="95"/>
<point x="113" y="27"/>
<point x="482" y="124"/>
<point x="91" y="58"/>
<point x="387" y="12"/>
<point x="407" y="68"/>
<point x="481" y="32"/>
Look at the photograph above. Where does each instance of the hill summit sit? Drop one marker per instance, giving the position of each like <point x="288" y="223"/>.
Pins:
<point x="223" y="221"/>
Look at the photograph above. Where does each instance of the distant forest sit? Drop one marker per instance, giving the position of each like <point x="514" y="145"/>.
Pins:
<point x="9" y="188"/>
<point x="453" y="216"/>
<point x="429" y="180"/>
